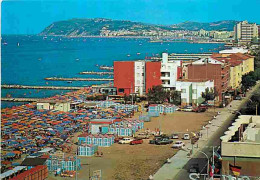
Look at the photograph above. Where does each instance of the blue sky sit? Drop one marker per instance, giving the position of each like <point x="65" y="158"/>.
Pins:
<point x="31" y="16"/>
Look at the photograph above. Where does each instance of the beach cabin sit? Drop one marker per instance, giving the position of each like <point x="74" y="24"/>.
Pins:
<point x="54" y="105"/>
<point x="97" y="139"/>
<point x="87" y="149"/>
<point x="100" y="126"/>
<point x="62" y="163"/>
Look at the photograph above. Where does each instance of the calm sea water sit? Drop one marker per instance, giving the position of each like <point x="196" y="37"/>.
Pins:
<point x="27" y="60"/>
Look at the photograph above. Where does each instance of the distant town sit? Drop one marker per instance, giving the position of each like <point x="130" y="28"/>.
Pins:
<point x="222" y="31"/>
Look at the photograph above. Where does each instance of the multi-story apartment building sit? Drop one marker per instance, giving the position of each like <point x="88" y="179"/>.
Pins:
<point x="170" y="71"/>
<point x="136" y="76"/>
<point x="139" y="76"/>
<point x="245" y="32"/>
<point x="211" y="69"/>
<point x="240" y="64"/>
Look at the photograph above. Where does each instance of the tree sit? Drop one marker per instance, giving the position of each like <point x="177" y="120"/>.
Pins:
<point x="175" y="97"/>
<point x="158" y="95"/>
<point x="249" y="80"/>
<point x="209" y="94"/>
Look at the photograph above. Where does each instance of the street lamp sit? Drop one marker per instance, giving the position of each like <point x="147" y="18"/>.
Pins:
<point x="207" y="159"/>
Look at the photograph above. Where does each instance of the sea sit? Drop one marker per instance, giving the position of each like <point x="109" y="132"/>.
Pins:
<point x="28" y="59"/>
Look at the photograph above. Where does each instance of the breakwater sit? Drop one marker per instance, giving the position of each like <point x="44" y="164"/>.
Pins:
<point x="97" y="73"/>
<point x="21" y="99"/>
<point x="78" y="79"/>
<point x="39" y="87"/>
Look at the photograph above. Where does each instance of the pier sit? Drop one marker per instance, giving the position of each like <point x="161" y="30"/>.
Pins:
<point x="106" y="68"/>
<point x="97" y="73"/>
<point x="21" y="99"/>
<point x="78" y="79"/>
<point x="39" y="87"/>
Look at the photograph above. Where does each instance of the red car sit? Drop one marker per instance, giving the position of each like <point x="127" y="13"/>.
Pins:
<point x="136" y="141"/>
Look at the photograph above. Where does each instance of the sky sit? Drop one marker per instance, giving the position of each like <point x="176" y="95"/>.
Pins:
<point x="32" y="16"/>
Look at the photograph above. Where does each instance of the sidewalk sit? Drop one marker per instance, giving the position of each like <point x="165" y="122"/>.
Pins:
<point x="180" y="159"/>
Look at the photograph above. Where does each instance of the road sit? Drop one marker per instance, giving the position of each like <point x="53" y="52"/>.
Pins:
<point x="181" y="162"/>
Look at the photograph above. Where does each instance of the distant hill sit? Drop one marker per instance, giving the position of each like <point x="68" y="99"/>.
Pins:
<point x="101" y="26"/>
<point x="219" y="25"/>
<point x="85" y="27"/>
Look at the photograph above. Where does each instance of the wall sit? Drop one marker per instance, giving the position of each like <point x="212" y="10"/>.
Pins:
<point x="124" y="76"/>
<point x="62" y="107"/>
<point x="43" y="106"/>
<point x="153" y="75"/>
<point x="139" y="77"/>
<point x="249" y="166"/>
<point x="211" y="72"/>
<point x="185" y="96"/>
<point x="242" y="149"/>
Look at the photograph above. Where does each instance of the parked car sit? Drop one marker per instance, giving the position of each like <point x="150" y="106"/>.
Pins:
<point x="200" y="108"/>
<point x="143" y="135"/>
<point x="186" y="136"/>
<point x="178" y="144"/>
<point x="136" y="141"/>
<point x="187" y="109"/>
<point x="194" y="168"/>
<point x="125" y="141"/>
<point x="238" y="98"/>
<point x="175" y="136"/>
<point x="163" y="141"/>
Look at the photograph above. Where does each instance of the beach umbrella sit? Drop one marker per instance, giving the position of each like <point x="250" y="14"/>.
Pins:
<point x="10" y="154"/>
<point x="15" y="164"/>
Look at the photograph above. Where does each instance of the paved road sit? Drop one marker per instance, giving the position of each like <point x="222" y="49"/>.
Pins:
<point x="180" y="163"/>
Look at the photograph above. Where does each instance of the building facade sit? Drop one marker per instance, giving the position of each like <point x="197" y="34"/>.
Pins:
<point x="140" y="76"/>
<point x="245" y="32"/>
<point x="53" y="105"/>
<point x="191" y="90"/>
<point x="240" y="64"/>
<point x="211" y="69"/>
<point x="170" y="72"/>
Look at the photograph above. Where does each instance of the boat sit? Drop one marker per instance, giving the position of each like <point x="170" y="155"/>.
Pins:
<point x="138" y="53"/>
<point x="77" y="59"/>
<point x="69" y="81"/>
<point x="18" y="44"/>
<point x="5" y="43"/>
<point x="128" y="55"/>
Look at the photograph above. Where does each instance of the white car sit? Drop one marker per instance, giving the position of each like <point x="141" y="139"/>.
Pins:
<point x="178" y="144"/>
<point x="125" y="141"/>
<point x="175" y="136"/>
<point x="187" y="109"/>
<point x="186" y="136"/>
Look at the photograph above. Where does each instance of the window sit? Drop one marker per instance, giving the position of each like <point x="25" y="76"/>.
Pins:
<point x="183" y="90"/>
<point x="138" y="82"/>
<point x="138" y="74"/>
<point x="138" y="67"/>
<point x="194" y="91"/>
<point x="121" y="90"/>
<point x="142" y="74"/>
